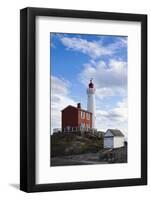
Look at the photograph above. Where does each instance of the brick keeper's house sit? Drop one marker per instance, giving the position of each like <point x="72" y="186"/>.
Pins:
<point x="76" y="118"/>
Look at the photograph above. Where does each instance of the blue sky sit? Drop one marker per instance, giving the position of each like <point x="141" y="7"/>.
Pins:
<point x="74" y="59"/>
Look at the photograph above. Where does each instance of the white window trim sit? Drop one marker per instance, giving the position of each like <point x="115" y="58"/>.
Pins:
<point x="82" y="115"/>
<point x="88" y="116"/>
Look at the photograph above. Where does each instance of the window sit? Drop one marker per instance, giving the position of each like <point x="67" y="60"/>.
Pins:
<point x="82" y="115"/>
<point x="88" y="116"/>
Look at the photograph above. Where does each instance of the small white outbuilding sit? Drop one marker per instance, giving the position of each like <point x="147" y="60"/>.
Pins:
<point x="113" y="138"/>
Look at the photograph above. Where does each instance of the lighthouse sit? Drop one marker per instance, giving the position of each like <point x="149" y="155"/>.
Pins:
<point x="91" y="101"/>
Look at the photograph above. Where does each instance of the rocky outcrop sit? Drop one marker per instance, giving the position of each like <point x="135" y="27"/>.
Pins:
<point x="72" y="144"/>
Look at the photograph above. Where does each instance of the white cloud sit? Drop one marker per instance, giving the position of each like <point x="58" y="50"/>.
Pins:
<point x="123" y="41"/>
<point x="59" y="85"/>
<point x="94" y="49"/>
<point x="60" y="98"/>
<point x="113" y="118"/>
<point x="120" y="42"/>
<point x="110" y="79"/>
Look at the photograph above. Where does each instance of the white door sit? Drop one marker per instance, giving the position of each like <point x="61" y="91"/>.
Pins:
<point x="108" y="142"/>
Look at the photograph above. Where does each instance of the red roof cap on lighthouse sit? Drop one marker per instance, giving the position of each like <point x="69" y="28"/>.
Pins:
<point x="91" y="85"/>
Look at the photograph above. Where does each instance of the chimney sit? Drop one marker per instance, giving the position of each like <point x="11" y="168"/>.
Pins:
<point x="79" y="105"/>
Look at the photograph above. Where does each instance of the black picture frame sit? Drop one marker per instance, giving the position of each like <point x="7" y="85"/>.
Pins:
<point x="28" y="99"/>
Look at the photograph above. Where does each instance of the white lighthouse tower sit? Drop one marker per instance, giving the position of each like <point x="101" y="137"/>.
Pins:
<point x="91" y="102"/>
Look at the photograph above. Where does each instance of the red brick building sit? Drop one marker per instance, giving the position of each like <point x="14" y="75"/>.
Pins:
<point x="75" y="118"/>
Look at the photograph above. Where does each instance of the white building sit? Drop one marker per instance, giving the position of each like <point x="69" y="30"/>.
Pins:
<point x="91" y="102"/>
<point x="113" y="138"/>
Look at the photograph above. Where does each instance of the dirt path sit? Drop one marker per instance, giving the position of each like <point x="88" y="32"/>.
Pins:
<point x="104" y="156"/>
